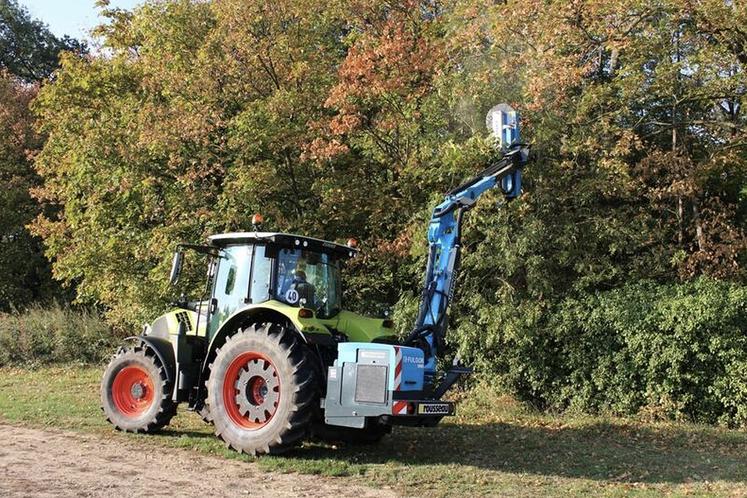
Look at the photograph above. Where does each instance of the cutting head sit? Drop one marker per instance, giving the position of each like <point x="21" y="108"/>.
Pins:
<point x="503" y="123"/>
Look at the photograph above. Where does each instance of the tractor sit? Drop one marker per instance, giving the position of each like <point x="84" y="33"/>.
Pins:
<point x="270" y="356"/>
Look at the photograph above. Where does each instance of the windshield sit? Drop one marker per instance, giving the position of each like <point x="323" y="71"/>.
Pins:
<point x="310" y="280"/>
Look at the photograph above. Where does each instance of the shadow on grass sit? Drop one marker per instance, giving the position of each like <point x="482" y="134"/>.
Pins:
<point x="600" y="451"/>
<point x="180" y="433"/>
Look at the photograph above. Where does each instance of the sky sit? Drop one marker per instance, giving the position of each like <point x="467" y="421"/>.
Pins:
<point x="70" y="17"/>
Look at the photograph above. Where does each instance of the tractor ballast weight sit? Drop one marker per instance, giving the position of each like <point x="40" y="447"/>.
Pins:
<point x="269" y="356"/>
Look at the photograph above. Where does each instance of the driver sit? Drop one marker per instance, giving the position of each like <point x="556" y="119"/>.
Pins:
<point x="305" y="290"/>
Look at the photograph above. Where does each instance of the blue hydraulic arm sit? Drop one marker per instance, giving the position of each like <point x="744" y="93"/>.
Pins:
<point x="444" y="233"/>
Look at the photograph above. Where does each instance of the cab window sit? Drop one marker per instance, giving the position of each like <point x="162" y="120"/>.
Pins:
<point x="309" y="279"/>
<point x="262" y="265"/>
<point x="231" y="283"/>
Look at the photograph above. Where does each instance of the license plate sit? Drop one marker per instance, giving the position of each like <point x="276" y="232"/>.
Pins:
<point x="434" y="409"/>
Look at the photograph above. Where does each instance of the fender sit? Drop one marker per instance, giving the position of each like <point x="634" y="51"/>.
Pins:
<point x="249" y="313"/>
<point x="164" y="352"/>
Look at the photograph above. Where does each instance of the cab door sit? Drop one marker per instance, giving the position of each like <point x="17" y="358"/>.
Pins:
<point x="231" y="285"/>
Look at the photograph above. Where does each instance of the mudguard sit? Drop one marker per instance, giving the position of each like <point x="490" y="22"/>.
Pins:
<point x="164" y="352"/>
<point x="264" y="313"/>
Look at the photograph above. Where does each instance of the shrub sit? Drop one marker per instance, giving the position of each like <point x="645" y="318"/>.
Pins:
<point x="54" y="335"/>
<point x="675" y="351"/>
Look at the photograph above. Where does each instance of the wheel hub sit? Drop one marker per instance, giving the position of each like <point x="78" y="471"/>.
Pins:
<point x="257" y="389"/>
<point x="132" y="391"/>
<point x="138" y="390"/>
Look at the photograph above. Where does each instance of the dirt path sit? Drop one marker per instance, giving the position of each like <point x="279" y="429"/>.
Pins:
<point x="48" y="463"/>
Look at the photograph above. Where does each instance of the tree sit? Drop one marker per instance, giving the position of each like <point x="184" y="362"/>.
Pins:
<point x="27" y="48"/>
<point x="197" y="119"/>
<point x="353" y="117"/>
<point x="26" y="274"/>
<point x="28" y="54"/>
<point x="633" y="109"/>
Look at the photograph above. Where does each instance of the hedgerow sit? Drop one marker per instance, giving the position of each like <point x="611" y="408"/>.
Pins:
<point x="54" y="334"/>
<point x="674" y="351"/>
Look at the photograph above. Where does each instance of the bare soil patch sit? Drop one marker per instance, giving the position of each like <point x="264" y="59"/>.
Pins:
<point x="51" y="463"/>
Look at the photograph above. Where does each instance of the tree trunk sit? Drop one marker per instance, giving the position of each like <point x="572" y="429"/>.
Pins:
<point x="699" y="235"/>
<point x="680" y="221"/>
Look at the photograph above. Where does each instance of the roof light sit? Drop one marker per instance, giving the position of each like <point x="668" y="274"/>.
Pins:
<point x="257" y="220"/>
<point x="352" y="243"/>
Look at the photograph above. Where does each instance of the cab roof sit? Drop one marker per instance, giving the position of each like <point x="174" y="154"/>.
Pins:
<point x="288" y="240"/>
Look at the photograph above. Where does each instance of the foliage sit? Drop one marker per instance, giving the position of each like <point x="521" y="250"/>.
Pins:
<point x="26" y="275"/>
<point x="28" y="54"/>
<point x="350" y="118"/>
<point x="666" y="350"/>
<point x="193" y="124"/>
<point x="640" y="161"/>
<point x="27" y="48"/>
<point x="54" y="334"/>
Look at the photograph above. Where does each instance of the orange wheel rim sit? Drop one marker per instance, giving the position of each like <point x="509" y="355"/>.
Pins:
<point x="132" y="391"/>
<point x="251" y="390"/>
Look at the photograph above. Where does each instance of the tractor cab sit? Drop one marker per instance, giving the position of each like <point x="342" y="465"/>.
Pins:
<point x="256" y="267"/>
<point x="281" y="270"/>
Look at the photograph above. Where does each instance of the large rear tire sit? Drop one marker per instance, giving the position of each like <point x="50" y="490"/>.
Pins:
<point x="262" y="390"/>
<point x="136" y="393"/>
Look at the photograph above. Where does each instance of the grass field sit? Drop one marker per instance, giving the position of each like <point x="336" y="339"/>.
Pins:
<point x="494" y="447"/>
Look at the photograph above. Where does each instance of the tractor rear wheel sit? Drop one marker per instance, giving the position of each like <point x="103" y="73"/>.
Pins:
<point x="136" y="393"/>
<point x="262" y="390"/>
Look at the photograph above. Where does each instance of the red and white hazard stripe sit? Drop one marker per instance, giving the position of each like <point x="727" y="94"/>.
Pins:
<point x="399" y="407"/>
<point x="397" y="368"/>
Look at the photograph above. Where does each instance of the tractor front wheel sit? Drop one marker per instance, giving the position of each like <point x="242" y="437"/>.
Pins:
<point x="136" y="393"/>
<point x="262" y="390"/>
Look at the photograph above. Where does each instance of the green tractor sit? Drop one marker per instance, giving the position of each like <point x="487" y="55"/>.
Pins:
<point x="269" y="356"/>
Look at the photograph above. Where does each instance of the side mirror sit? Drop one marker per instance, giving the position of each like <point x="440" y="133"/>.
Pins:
<point x="176" y="267"/>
